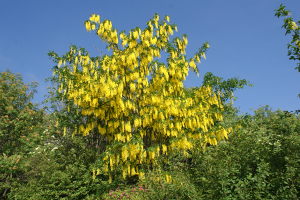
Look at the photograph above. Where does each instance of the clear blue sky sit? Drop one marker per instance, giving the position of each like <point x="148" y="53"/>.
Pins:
<point x="246" y="40"/>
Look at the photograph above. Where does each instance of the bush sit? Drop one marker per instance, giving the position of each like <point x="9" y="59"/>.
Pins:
<point x="155" y="187"/>
<point x="260" y="161"/>
<point x="60" y="169"/>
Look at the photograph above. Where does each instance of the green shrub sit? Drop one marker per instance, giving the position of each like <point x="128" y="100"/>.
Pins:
<point x="60" y="169"/>
<point x="155" y="187"/>
<point x="260" y="161"/>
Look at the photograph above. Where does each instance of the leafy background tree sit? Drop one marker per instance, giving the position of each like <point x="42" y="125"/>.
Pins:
<point x="18" y="115"/>
<point x="20" y="127"/>
<point x="292" y="28"/>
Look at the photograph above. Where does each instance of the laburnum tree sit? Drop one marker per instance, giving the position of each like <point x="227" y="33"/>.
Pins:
<point x="134" y="98"/>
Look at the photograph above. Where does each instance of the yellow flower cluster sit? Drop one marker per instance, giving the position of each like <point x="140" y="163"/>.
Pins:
<point x="138" y="104"/>
<point x="293" y="25"/>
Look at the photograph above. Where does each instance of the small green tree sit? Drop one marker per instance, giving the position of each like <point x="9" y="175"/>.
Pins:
<point x="18" y="116"/>
<point x="20" y="122"/>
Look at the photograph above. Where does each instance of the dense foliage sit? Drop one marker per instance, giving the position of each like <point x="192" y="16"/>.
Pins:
<point x="259" y="161"/>
<point x="19" y="116"/>
<point x="20" y="127"/>
<point x="60" y="169"/>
